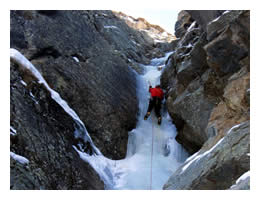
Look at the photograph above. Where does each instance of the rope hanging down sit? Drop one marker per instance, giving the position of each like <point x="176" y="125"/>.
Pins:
<point x="152" y="141"/>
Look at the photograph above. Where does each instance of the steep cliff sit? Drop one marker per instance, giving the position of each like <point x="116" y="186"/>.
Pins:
<point x="207" y="81"/>
<point x="89" y="58"/>
<point x="84" y="55"/>
<point x="42" y="132"/>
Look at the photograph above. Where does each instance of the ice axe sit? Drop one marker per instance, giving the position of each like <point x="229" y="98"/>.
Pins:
<point x="149" y="83"/>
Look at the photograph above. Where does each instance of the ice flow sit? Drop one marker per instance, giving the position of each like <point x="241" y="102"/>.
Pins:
<point x="153" y="154"/>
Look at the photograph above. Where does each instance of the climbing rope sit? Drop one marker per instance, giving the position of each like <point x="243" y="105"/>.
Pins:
<point x="152" y="141"/>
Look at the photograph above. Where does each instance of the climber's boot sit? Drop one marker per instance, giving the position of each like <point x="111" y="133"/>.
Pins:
<point x="159" y="120"/>
<point x="147" y="115"/>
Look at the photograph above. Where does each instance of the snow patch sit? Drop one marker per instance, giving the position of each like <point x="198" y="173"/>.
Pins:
<point x="23" y="83"/>
<point x="241" y="178"/>
<point x="214" y="20"/>
<point x="19" y="158"/>
<point x="12" y="131"/>
<point x="33" y="97"/>
<point x="189" y="45"/>
<point x="191" y="26"/>
<point x="76" y="59"/>
<point x="111" y="27"/>
<point x="227" y="11"/>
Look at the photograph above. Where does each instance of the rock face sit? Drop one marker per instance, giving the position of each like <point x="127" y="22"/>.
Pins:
<point x="203" y="17"/>
<point x="217" y="167"/>
<point x="84" y="55"/>
<point x="43" y="133"/>
<point x="207" y="83"/>
<point x="183" y="23"/>
<point x="90" y="59"/>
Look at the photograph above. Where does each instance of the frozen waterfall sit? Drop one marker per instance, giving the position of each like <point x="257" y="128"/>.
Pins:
<point x="153" y="153"/>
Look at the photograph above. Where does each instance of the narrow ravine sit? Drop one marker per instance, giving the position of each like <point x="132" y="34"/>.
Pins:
<point x="79" y="91"/>
<point x="153" y="153"/>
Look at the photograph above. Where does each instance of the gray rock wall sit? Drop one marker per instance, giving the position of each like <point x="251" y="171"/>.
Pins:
<point x="207" y="83"/>
<point x="101" y="87"/>
<point x="44" y="135"/>
<point x="217" y="167"/>
<point x="89" y="58"/>
<point x="197" y="73"/>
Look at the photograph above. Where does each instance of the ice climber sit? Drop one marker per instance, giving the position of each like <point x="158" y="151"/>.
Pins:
<point x="157" y="96"/>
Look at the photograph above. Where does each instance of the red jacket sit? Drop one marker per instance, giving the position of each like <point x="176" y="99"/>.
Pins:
<point x="156" y="92"/>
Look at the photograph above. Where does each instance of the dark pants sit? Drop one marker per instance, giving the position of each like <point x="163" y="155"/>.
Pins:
<point x="155" y="103"/>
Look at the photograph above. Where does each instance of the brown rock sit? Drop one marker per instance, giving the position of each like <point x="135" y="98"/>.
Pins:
<point x="203" y="17"/>
<point x="183" y="23"/>
<point x="234" y="109"/>
<point x="231" y="44"/>
<point x="217" y="165"/>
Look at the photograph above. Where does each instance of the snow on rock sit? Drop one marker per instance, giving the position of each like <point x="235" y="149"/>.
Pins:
<point x="76" y="59"/>
<point x="111" y="27"/>
<point x="20" y="59"/>
<point x="102" y="165"/>
<point x="19" y="158"/>
<point x="141" y="169"/>
<point x="23" y="83"/>
<point x="216" y="19"/>
<point x="233" y="128"/>
<point x="191" y="26"/>
<point x="241" y="179"/>
<point x="12" y="131"/>
<point x="17" y="57"/>
<point x="195" y="157"/>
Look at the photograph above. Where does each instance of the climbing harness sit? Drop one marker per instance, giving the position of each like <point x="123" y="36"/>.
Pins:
<point x="152" y="141"/>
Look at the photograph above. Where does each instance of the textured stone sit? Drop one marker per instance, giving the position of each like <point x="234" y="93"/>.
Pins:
<point x="44" y="135"/>
<point x="80" y="54"/>
<point x="234" y="108"/>
<point x="218" y="165"/>
<point x="215" y="27"/>
<point x="86" y="56"/>
<point x="193" y="109"/>
<point x="203" y="17"/>
<point x="182" y="79"/>
<point x="183" y="23"/>
<point x="231" y="44"/>
<point x="205" y="77"/>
